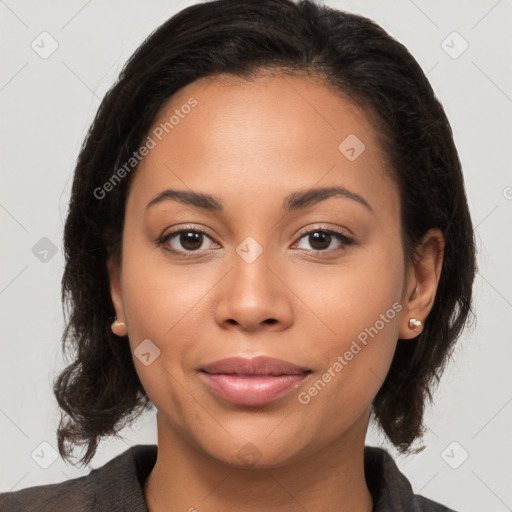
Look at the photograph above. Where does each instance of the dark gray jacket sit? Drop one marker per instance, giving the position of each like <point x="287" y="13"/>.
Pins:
<point x="117" y="486"/>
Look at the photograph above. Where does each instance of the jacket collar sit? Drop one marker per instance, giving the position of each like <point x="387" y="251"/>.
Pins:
<point x="120" y="481"/>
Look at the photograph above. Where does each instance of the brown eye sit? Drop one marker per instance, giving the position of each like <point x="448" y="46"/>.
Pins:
<point x="184" y="240"/>
<point x="322" y="240"/>
<point x="190" y="240"/>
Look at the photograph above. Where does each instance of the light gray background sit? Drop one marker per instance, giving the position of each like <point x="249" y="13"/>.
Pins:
<point x="46" y="106"/>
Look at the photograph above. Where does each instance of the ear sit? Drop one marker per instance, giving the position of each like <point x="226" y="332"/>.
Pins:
<point x="114" y="273"/>
<point x="423" y="277"/>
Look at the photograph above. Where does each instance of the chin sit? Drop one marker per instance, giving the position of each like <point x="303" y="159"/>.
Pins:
<point x="259" y="454"/>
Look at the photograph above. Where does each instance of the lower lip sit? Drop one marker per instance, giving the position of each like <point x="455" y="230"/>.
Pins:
<point x="251" y="390"/>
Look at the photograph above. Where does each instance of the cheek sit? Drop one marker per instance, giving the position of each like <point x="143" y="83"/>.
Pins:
<point x="362" y="291"/>
<point x="160" y="298"/>
<point x="162" y="304"/>
<point x="360" y="304"/>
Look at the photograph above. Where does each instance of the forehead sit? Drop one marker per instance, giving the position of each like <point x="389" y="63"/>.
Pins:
<point x="262" y="137"/>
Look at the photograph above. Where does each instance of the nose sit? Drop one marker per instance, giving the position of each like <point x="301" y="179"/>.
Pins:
<point x="254" y="296"/>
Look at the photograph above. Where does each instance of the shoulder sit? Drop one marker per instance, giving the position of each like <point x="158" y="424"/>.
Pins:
<point x="425" y="505"/>
<point x="390" y="489"/>
<point x="77" y="494"/>
<point x="111" y="487"/>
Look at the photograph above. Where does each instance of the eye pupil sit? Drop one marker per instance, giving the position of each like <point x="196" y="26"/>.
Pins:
<point x="191" y="240"/>
<point x="320" y="237"/>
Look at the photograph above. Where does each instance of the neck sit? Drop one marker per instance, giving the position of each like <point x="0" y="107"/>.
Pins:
<point x="187" y="479"/>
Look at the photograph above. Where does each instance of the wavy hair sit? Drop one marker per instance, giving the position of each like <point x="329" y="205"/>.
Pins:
<point x="99" y="392"/>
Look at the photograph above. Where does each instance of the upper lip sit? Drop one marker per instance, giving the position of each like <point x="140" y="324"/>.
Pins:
<point x="256" y="366"/>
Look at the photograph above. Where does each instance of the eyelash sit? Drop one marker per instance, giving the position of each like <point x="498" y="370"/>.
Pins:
<point x="344" y="239"/>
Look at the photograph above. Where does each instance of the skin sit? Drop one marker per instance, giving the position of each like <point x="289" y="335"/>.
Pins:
<point x="250" y="144"/>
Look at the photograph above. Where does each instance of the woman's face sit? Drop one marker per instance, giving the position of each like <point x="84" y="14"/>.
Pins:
<point x="270" y="266"/>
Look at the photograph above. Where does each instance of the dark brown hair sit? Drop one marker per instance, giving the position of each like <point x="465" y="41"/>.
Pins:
<point x="100" y="392"/>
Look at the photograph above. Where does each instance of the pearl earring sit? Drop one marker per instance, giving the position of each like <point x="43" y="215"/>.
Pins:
<point x="414" y="323"/>
<point x="118" y="327"/>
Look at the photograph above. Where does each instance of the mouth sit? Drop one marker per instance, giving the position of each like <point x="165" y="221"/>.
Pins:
<point x="252" y="382"/>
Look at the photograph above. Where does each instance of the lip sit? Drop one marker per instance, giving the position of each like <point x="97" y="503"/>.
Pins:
<point x="256" y="381"/>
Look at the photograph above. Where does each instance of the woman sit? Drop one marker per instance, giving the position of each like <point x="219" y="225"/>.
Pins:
<point x="268" y="239"/>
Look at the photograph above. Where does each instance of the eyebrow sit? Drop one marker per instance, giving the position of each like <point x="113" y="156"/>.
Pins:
<point x="292" y="202"/>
